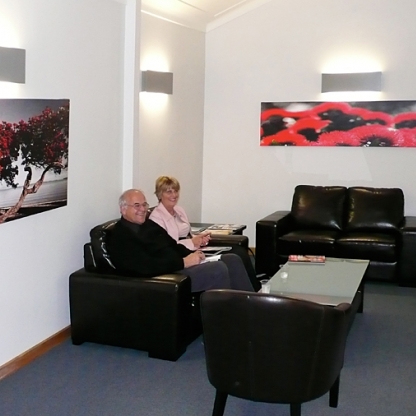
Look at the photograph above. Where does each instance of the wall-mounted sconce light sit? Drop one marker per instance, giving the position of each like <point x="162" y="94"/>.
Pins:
<point x="154" y="81"/>
<point x="358" y="81"/>
<point x="12" y="65"/>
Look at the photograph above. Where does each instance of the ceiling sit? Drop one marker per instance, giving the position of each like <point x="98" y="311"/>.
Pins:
<point x="198" y="14"/>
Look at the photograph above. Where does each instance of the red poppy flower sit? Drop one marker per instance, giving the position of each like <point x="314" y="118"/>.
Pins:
<point x="281" y="112"/>
<point x="405" y="120"/>
<point x="338" y="138"/>
<point x="284" y="138"/>
<point x="406" y="137"/>
<point x="327" y="106"/>
<point x="375" y="117"/>
<point x="310" y="123"/>
<point x="377" y="136"/>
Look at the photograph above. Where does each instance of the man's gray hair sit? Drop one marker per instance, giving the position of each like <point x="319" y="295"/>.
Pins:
<point x="122" y="200"/>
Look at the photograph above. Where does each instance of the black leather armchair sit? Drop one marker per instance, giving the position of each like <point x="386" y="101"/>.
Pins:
<point x="159" y="315"/>
<point x="261" y="348"/>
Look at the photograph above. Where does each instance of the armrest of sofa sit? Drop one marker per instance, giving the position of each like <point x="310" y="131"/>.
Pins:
<point x="268" y="230"/>
<point x="229" y="240"/>
<point x="407" y="259"/>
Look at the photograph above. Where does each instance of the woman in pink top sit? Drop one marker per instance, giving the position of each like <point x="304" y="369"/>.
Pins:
<point x="174" y="220"/>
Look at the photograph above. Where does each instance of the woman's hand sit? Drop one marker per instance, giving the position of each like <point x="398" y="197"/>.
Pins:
<point x="201" y="240"/>
<point x="193" y="259"/>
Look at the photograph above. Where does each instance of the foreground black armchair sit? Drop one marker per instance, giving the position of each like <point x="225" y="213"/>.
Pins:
<point x="261" y="348"/>
<point x="159" y="315"/>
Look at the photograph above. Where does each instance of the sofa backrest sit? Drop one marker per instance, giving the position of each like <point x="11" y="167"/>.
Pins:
<point x="319" y="206"/>
<point x="374" y="208"/>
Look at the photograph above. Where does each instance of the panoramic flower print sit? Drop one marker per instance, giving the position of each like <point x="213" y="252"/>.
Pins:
<point x="364" y="124"/>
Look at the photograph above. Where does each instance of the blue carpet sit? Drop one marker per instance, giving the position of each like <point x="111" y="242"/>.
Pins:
<point x="379" y="376"/>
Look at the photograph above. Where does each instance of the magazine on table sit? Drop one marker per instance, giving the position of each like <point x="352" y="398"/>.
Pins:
<point x="222" y="232"/>
<point x="298" y="258"/>
<point x="218" y="227"/>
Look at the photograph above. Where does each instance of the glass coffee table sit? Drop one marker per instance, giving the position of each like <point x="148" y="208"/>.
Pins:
<point x="330" y="283"/>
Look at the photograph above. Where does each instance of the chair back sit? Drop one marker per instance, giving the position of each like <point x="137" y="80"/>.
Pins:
<point x="272" y="349"/>
<point x="96" y="257"/>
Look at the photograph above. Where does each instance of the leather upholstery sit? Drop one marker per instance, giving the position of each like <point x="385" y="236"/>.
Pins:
<point x="313" y="241"/>
<point x="154" y="315"/>
<point x="374" y="246"/>
<point x="260" y="347"/>
<point x="99" y="249"/>
<point x="375" y="208"/>
<point x="319" y="206"/>
<point x="373" y="227"/>
<point x="159" y="315"/>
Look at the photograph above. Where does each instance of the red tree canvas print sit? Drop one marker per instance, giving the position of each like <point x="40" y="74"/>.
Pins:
<point x="34" y="137"/>
<point x="365" y="124"/>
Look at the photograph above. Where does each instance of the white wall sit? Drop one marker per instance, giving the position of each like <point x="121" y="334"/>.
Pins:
<point x="171" y="126"/>
<point x="277" y="53"/>
<point x="74" y="50"/>
<point x="274" y="53"/>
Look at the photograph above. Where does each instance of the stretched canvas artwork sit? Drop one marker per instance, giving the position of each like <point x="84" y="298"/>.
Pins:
<point x="33" y="156"/>
<point x="365" y="124"/>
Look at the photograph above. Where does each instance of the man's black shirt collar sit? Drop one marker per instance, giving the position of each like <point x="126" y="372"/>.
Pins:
<point x="131" y="225"/>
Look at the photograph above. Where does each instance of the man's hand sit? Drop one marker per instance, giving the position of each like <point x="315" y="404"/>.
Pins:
<point x="193" y="259"/>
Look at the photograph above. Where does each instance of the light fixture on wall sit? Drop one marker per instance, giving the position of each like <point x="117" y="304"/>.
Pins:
<point x="12" y="65"/>
<point x="155" y="81"/>
<point x="356" y="81"/>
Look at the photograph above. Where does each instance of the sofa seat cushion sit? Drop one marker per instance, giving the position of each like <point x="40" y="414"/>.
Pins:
<point x="370" y="246"/>
<point x="317" y="242"/>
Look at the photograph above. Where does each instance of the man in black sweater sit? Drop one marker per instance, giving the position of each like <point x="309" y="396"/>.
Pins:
<point x="139" y="246"/>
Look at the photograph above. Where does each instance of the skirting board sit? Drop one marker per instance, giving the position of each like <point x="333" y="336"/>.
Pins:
<point x="34" y="352"/>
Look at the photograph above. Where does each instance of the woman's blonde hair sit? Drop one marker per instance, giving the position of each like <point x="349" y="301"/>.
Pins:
<point x="164" y="183"/>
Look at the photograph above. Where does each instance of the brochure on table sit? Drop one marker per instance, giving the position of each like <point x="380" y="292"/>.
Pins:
<point x="217" y="228"/>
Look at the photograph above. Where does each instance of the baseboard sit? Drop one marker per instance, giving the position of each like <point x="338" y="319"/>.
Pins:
<point x="253" y="251"/>
<point x="34" y="352"/>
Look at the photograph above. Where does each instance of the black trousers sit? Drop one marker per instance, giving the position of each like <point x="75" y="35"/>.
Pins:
<point x="246" y="259"/>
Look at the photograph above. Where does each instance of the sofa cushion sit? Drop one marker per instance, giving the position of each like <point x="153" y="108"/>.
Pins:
<point x="319" y="206"/>
<point x="315" y="242"/>
<point x="370" y="246"/>
<point x="374" y="208"/>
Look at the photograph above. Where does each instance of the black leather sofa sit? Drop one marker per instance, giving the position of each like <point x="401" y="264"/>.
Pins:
<point x="335" y="221"/>
<point x="159" y="315"/>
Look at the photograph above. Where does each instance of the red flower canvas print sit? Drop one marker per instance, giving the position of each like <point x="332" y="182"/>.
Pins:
<point x="365" y="124"/>
<point x="34" y="137"/>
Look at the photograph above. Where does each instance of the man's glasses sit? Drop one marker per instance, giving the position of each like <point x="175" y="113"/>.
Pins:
<point x="137" y="206"/>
